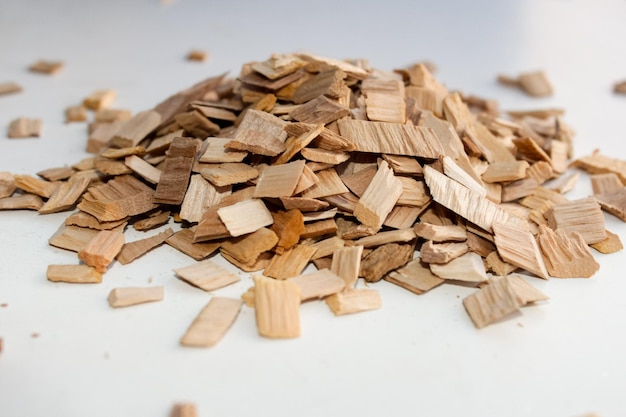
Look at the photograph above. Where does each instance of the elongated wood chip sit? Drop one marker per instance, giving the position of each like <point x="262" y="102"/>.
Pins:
<point x="81" y="274"/>
<point x="212" y="322"/>
<point x="129" y="296"/>
<point x="207" y="275"/>
<point x="354" y="301"/>
<point x="277" y="307"/>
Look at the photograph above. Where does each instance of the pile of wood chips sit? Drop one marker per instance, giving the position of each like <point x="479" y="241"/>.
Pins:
<point x="364" y="173"/>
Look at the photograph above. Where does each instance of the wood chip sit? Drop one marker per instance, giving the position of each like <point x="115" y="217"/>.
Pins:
<point x="379" y="198"/>
<point x="601" y="164"/>
<point x="290" y="263"/>
<point x="245" y="217"/>
<point x="152" y="221"/>
<point x="519" y="247"/>
<point x="99" y="99"/>
<point x="247" y="249"/>
<point x="505" y="171"/>
<point x="468" y="267"/>
<point x="75" y="114"/>
<point x="259" y="133"/>
<point x="66" y="195"/>
<point x="277" y="307"/>
<point x="46" y="67"/>
<point x="130" y="296"/>
<point x="320" y="110"/>
<point x="328" y="184"/>
<point x="216" y="152"/>
<point x="535" y="83"/>
<point x="76" y="274"/>
<point x="102" y="249"/>
<point x="583" y="216"/>
<point x="9" y="88"/>
<point x="183" y="409"/>
<point x="222" y="175"/>
<point x="183" y="241"/>
<point x="319" y="284"/>
<point x="21" y="202"/>
<point x="212" y="322"/>
<point x="566" y="256"/>
<point x="354" y="301"/>
<point x="391" y="138"/>
<point x="197" y="55"/>
<point x="415" y="277"/>
<point x="442" y="253"/>
<point x="207" y="275"/>
<point x="495" y="301"/>
<point x="384" y="259"/>
<point x="72" y="237"/>
<point x="611" y="244"/>
<point x="24" y="127"/>
<point x="176" y="172"/>
<point x="605" y="183"/>
<point x="436" y="233"/>
<point x="279" y="180"/>
<point x="133" y="250"/>
<point x="614" y="203"/>
<point x="108" y="115"/>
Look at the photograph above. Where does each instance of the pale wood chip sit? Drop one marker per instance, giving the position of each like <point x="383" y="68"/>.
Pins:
<point x="493" y="302"/>
<point x="107" y="115"/>
<point x="346" y="263"/>
<point x="505" y="171"/>
<point x="46" y="67"/>
<point x="439" y="233"/>
<point x="66" y="195"/>
<point x="391" y="138"/>
<point x="279" y="65"/>
<point x="154" y="220"/>
<point x="601" y="164"/>
<point x="133" y="250"/>
<point x="277" y="307"/>
<point x="212" y="322"/>
<point x="201" y="195"/>
<point x="442" y="253"/>
<point x="7" y="184"/>
<point x="496" y="264"/>
<point x="583" y="216"/>
<point x="72" y="237"/>
<point x="519" y="247"/>
<point x="246" y="249"/>
<point x="327" y="83"/>
<point x="354" y="301"/>
<point x="24" y="127"/>
<point x="605" y="183"/>
<point x="414" y="193"/>
<point x="53" y="174"/>
<point x="260" y="133"/>
<point x="101" y="136"/>
<point x="328" y="184"/>
<point x="279" y="180"/>
<point x="465" y="202"/>
<point x="207" y="275"/>
<point x="75" y="114"/>
<point x="303" y="204"/>
<point x="382" y="238"/>
<point x="21" y="202"/>
<point x="196" y="124"/>
<point x="535" y="84"/>
<point x="99" y="99"/>
<point x="319" y="284"/>
<point x="415" y="277"/>
<point x="404" y="165"/>
<point x="183" y="241"/>
<point x="222" y="175"/>
<point x="9" y="88"/>
<point x="565" y="183"/>
<point x="327" y="247"/>
<point x="183" y="409"/>
<point x="136" y="129"/>
<point x="142" y="168"/>
<point x="379" y="198"/>
<point x="452" y="170"/>
<point x="81" y="274"/>
<point x="102" y="249"/>
<point x="130" y="296"/>
<point x="82" y="219"/>
<point x="566" y="256"/>
<point x="290" y="263"/>
<point x="403" y="217"/>
<point x="216" y="152"/>
<point x="320" y="110"/>
<point x="468" y="267"/>
<point x="614" y="203"/>
<point x="245" y="217"/>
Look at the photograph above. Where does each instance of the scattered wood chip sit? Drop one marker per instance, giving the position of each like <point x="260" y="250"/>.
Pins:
<point x="80" y="274"/>
<point x="354" y="301"/>
<point x="21" y="202"/>
<point x="197" y="55"/>
<point x="46" y="67"/>
<point x="519" y="247"/>
<point x="183" y="241"/>
<point x="611" y="244"/>
<point x="75" y="114"/>
<point x="277" y="307"/>
<point x="212" y="322"/>
<point x="133" y="250"/>
<point x="72" y="237"/>
<point x="99" y="99"/>
<point x="379" y="197"/>
<point x="207" y="275"/>
<point x="415" y="277"/>
<point x="468" y="267"/>
<point x="130" y="296"/>
<point x="9" y="88"/>
<point x="442" y="253"/>
<point x="566" y="256"/>
<point x="443" y="233"/>
<point x="290" y="263"/>
<point x="102" y="249"/>
<point x="24" y="127"/>
<point x="535" y="84"/>
<point x="385" y="258"/>
<point x="318" y="284"/>
<point x="583" y="216"/>
<point x="183" y="409"/>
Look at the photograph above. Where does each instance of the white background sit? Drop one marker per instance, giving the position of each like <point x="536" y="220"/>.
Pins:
<point x="418" y="355"/>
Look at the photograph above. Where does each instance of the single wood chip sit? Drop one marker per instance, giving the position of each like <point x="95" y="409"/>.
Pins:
<point x="466" y="203"/>
<point x="130" y="296"/>
<point x="21" y="202"/>
<point x="212" y="323"/>
<point x="247" y="249"/>
<point x="288" y="227"/>
<point x="326" y="83"/>
<point x="24" y="127"/>
<point x="135" y="129"/>
<point x="259" y="133"/>
<point x="102" y="249"/>
<point x="9" y="88"/>
<point x="75" y="114"/>
<point x="82" y="219"/>
<point x="505" y="171"/>
<point x="328" y="184"/>
<point x="611" y="244"/>
<point x="391" y="138"/>
<point x="53" y="174"/>
<point x="415" y="277"/>
<point x="183" y="409"/>
<point x="583" y="216"/>
<point x="468" y="267"/>
<point x="346" y="263"/>
<point x="72" y="237"/>
<point x="222" y="175"/>
<point x="201" y="195"/>
<point x="384" y="259"/>
<point x="437" y="233"/>
<point x="140" y="167"/>
<point x="354" y="301"/>
<point x="535" y="84"/>
<point x="176" y="171"/>
<point x="277" y="307"/>
<point x="216" y="152"/>
<point x="382" y="238"/>
<point x="133" y="250"/>
<point x="197" y="55"/>
<point x="566" y="256"/>
<point x="497" y="265"/>
<point x="601" y="164"/>
<point x="245" y="217"/>
<point x="107" y="115"/>
<point x="379" y="198"/>
<point x="99" y="99"/>
<point x="519" y="247"/>
<point x="605" y="183"/>
<point x="152" y="221"/>
<point x="46" y="67"/>
<point x="183" y="242"/>
<point x="7" y="184"/>
<point x="614" y="203"/>
<point x="497" y="300"/>
<point x="80" y="274"/>
<point x="442" y="253"/>
<point x="207" y="275"/>
<point x="279" y="180"/>
<point x="66" y="195"/>
<point x="319" y="284"/>
<point x="290" y="263"/>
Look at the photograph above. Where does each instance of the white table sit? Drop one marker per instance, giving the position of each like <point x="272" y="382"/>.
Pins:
<point x="418" y="355"/>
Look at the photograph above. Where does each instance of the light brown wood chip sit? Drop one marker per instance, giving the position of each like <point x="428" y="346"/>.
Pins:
<point x="318" y="284"/>
<point x="212" y="322"/>
<point x="468" y="267"/>
<point x="133" y="250"/>
<point x="601" y="164"/>
<point x="442" y="253"/>
<point x="24" y="127"/>
<point x="279" y="180"/>
<point x="184" y="409"/>
<point x="102" y="249"/>
<point x="46" y="67"/>
<point x="9" y="88"/>
<point x="246" y="249"/>
<point x="36" y="186"/>
<point x="140" y="167"/>
<point x="197" y="55"/>
<point x="291" y="262"/>
<point x="183" y="241"/>
<point x="130" y="296"/>
<point x="82" y="274"/>
<point x="207" y="275"/>
<point x="72" y="238"/>
<point x="346" y="263"/>
<point x="354" y="301"/>
<point x="75" y="114"/>
<point x="519" y="247"/>
<point x="99" y="99"/>
<point x="176" y="171"/>
<point x="245" y="217"/>
<point x="277" y="307"/>
<point x="498" y="299"/>
<point x="66" y="195"/>
<point x="440" y="233"/>
<point x="379" y="197"/>
<point x="260" y="133"/>
<point x="21" y="202"/>
<point x="611" y="244"/>
<point x="566" y="256"/>
<point x="583" y="216"/>
<point x="415" y="277"/>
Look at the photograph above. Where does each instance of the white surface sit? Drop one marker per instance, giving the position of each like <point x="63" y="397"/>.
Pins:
<point x="418" y="355"/>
